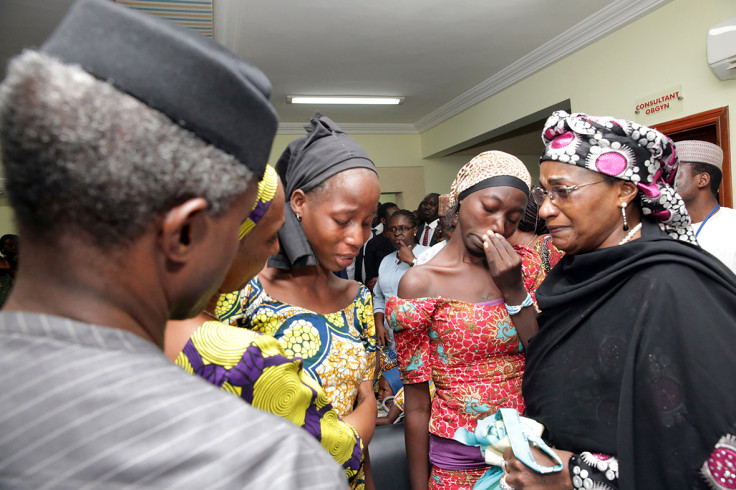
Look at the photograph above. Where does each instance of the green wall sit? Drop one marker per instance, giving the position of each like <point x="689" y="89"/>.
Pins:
<point x="397" y="150"/>
<point x="663" y="49"/>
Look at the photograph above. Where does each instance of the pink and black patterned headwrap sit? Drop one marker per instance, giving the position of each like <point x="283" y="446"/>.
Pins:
<point x="625" y="150"/>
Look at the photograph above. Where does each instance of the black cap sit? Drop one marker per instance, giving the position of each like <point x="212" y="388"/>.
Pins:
<point x="196" y="82"/>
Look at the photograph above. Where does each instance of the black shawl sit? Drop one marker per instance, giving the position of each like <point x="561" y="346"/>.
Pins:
<point x="636" y="357"/>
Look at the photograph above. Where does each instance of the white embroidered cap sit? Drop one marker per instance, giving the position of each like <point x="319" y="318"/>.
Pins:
<point x="695" y="151"/>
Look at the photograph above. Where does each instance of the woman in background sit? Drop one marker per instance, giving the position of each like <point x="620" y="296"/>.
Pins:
<point x="332" y="189"/>
<point x="402" y="230"/>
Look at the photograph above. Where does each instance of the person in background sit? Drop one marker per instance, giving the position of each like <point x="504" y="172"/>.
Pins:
<point x="398" y="405"/>
<point x="402" y="227"/>
<point x="379" y="246"/>
<point x="532" y="233"/>
<point x="389" y="384"/>
<point x="463" y="320"/>
<point x="698" y="181"/>
<point x="8" y="265"/>
<point x="128" y="196"/>
<point x="447" y="223"/>
<point x="428" y="215"/>
<point x="332" y="189"/>
<point x="9" y="249"/>
<point x="356" y="270"/>
<point x="631" y="371"/>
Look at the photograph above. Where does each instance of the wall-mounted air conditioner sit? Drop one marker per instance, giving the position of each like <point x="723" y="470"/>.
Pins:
<point x="721" y="47"/>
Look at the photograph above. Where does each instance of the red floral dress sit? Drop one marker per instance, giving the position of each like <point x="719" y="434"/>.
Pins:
<point x="549" y="253"/>
<point x="472" y="353"/>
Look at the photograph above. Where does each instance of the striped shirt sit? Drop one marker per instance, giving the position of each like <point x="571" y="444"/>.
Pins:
<point x="84" y="406"/>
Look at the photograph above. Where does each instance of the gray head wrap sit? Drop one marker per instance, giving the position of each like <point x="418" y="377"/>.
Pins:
<point x="305" y="164"/>
<point x="161" y="64"/>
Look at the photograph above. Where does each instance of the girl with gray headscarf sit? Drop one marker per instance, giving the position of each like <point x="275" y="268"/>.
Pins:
<point x="331" y="195"/>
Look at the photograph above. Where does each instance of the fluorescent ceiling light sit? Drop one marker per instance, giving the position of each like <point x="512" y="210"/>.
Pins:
<point x="315" y="99"/>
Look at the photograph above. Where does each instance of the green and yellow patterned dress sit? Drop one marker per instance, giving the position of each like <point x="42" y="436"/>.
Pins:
<point x="338" y="349"/>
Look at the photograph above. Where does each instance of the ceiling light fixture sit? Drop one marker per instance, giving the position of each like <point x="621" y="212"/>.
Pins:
<point x="330" y="99"/>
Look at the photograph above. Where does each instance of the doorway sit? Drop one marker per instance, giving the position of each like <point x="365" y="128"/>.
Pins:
<point x="710" y="126"/>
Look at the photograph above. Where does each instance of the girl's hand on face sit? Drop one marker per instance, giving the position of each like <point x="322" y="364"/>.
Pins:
<point x="504" y="263"/>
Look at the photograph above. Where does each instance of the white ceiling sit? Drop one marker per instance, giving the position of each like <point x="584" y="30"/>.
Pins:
<point x="443" y="56"/>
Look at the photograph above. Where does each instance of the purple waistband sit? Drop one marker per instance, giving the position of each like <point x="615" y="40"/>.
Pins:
<point x="491" y="303"/>
<point x="449" y="454"/>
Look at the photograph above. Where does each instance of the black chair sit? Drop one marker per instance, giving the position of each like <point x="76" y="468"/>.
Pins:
<point x="388" y="458"/>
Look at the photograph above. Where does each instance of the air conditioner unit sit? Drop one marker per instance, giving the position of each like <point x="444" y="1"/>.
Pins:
<point x="722" y="49"/>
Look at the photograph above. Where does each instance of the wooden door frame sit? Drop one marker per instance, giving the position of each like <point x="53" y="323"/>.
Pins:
<point x="719" y="117"/>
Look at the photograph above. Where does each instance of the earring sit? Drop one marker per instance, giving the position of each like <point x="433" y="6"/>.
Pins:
<point x="623" y="215"/>
<point x="299" y="218"/>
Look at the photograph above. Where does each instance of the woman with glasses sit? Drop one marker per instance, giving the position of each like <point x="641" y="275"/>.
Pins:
<point x="463" y="320"/>
<point x="402" y="229"/>
<point x="632" y="370"/>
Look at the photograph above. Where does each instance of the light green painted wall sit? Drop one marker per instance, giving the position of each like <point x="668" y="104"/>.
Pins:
<point x="663" y="49"/>
<point x="7" y="223"/>
<point x="397" y="150"/>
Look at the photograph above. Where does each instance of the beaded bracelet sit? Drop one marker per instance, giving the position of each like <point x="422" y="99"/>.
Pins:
<point x="515" y="310"/>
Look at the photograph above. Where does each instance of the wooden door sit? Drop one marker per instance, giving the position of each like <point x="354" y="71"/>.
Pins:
<point x="711" y="126"/>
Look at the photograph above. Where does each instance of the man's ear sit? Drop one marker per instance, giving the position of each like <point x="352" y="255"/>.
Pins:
<point x="702" y="180"/>
<point x="183" y="226"/>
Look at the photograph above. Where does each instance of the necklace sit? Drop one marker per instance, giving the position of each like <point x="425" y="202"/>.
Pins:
<point x="630" y="234"/>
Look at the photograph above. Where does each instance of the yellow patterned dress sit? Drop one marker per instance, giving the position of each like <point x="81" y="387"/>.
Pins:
<point x="338" y="349"/>
<point x="256" y="368"/>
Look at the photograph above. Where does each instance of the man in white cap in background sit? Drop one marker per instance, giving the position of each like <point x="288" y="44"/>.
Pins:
<point x="698" y="181"/>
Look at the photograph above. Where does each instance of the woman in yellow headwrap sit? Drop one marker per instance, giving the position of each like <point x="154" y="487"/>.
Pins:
<point x="254" y="366"/>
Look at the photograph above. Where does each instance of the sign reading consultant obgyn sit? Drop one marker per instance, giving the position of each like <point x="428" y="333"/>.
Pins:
<point x="662" y="103"/>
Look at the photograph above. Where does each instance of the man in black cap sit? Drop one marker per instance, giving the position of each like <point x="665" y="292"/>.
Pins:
<point x="130" y="175"/>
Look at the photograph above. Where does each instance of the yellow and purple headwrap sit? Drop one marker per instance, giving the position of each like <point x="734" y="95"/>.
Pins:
<point x="625" y="150"/>
<point x="266" y="192"/>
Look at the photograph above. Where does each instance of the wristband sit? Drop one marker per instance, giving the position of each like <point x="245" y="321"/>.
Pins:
<point x="414" y="262"/>
<point x="515" y="310"/>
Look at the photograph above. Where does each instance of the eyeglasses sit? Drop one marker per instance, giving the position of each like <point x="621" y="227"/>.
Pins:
<point x="557" y="193"/>
<point x="399" y="229"/>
